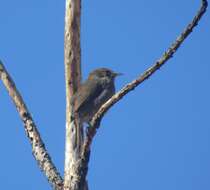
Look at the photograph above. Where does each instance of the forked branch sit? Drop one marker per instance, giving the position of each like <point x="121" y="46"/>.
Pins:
<point x="76" y="164"/>
<point x="38" y="148"/>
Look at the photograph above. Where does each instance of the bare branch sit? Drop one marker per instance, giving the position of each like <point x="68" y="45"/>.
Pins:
<point x="95" y="122"/>
<point x="73" y="76"/>
<point x="38" y="148"/>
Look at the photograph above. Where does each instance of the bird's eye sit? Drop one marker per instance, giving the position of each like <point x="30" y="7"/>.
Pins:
<point x="108" y="73"/>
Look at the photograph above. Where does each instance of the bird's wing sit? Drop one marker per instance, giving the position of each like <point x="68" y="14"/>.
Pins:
<point x="87" y="93"/>
<point x="102" y="97"/>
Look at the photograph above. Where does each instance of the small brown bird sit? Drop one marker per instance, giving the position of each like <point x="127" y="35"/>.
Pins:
<point x="93" y="93"/>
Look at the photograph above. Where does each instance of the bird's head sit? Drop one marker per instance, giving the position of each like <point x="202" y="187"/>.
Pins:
<point x="103" y="74"/>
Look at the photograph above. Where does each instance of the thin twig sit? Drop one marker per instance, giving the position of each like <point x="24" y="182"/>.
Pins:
<point x="38" y="148"/>
<point x="95" y="122"/>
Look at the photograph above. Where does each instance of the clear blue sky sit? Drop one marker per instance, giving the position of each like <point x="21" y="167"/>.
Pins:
<point x="156" y="138"/>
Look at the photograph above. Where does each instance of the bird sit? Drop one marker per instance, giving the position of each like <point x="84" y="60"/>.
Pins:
<point x="93" y="93"/>
<point x="90" y="96"/>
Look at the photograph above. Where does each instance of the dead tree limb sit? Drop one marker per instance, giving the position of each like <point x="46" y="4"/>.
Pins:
<point x="38" y="148"/>
<point x="73" y="76"/>
<point x="76" y="162"/>
<point x="95" y="122"/>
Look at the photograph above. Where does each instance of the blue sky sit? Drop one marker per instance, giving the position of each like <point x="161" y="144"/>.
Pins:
<point x="157" y="137"/>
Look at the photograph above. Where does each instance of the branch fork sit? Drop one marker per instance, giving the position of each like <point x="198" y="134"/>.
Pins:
<point x="76" y="162"/>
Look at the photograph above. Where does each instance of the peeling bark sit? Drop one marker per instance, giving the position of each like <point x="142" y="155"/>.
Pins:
<point x="74" y="134"/>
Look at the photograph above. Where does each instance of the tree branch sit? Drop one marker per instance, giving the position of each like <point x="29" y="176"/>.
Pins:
<point x="95" y="122"/>
<point x="38" y="148"/>
<point x="73" y="77"/>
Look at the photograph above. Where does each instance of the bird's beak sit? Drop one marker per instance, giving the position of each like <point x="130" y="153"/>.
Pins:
<point x="117" y="74"/>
